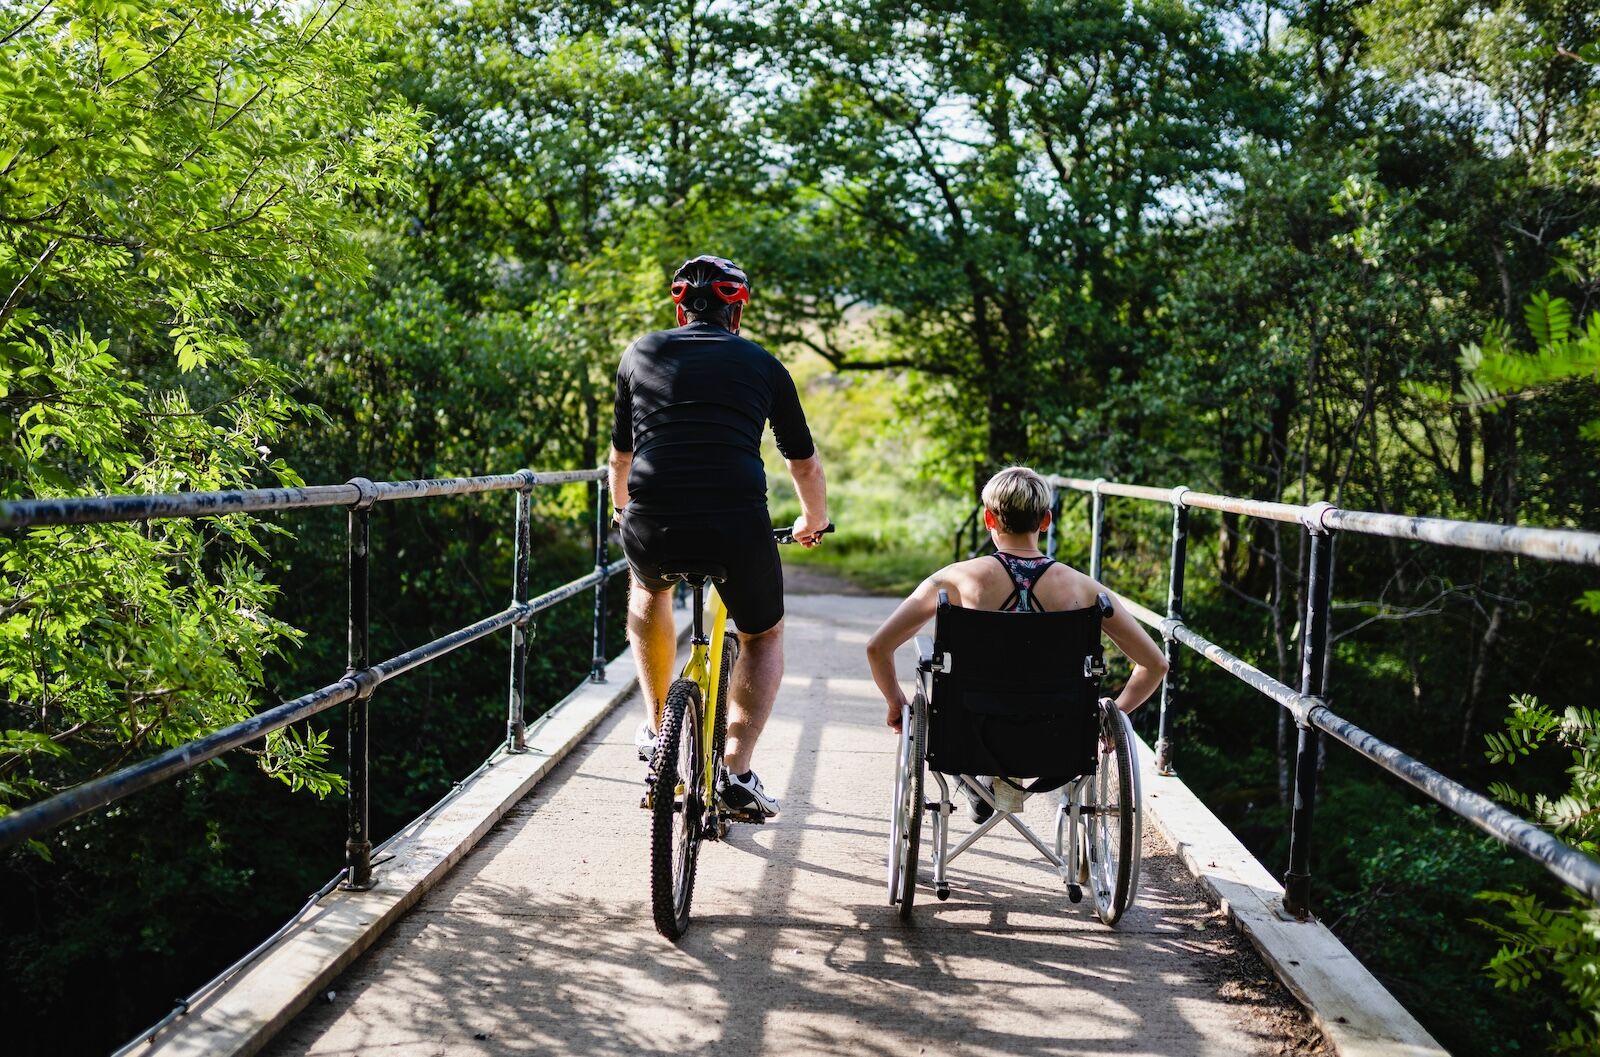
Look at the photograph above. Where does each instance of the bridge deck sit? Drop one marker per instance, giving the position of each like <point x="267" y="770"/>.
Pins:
<point x="541" y="942"/>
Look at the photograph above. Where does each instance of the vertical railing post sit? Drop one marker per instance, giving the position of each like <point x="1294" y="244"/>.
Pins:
<point x="358" y="844"/>
<point x="1055" y="519"/>
<point x="602" y="556"/>
<point x="1313" y="665"/>
<point x="1097" y="529"/>
<point x="1169" y="646"/>
<point x="516" y="706"/>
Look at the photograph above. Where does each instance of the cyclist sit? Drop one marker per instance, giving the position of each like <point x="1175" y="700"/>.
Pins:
<point x="689" y="487"/>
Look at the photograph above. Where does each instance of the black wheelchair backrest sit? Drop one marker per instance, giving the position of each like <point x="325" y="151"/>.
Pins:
<point x="1016" y="693"/>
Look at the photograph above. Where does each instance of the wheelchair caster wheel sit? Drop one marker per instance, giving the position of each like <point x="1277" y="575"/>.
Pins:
<point x="1075" y="893"/>
<point x="942" y="892"/>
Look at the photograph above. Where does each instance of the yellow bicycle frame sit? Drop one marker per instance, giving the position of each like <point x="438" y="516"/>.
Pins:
<point x="704" y="667"/>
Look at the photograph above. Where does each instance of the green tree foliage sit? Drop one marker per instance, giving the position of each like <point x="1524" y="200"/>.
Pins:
<point x="994" y="179"/>
<point x="162" y="173"/>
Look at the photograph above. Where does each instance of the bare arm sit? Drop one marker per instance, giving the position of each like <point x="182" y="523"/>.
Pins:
<point x="619" y="462"/>
<point x="903" y="623"/>
<point x="1149" y="664"/>
<point x="812" y="488"/>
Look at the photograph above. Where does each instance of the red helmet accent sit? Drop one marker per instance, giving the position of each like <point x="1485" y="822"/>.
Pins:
<point x="730" y="293"/>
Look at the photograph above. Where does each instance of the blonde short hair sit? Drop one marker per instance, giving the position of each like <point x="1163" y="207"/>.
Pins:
<point x="1018" y="498"/>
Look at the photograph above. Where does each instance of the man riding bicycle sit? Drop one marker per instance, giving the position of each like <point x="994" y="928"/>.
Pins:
<point x="689" y="488"/>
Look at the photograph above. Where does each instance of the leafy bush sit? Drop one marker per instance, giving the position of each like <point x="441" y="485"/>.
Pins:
<point x="1539" y="936"/>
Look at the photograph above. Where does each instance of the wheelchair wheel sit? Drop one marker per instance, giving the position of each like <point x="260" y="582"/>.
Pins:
<point x="1113" y="819"/>
<point x="676" y="809"/>
<point x="905" y="826"/>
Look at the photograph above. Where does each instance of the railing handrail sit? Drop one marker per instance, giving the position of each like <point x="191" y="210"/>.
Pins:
<point x="361" y="679"/>
<point x="1563" y="545"/>
<point x="1309" y="705"/>
<point x="100" y="509"/>
<point x="1572" y="866"/>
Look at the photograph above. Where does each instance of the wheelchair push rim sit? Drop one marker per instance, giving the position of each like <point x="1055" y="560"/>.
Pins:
<point x="897" y="819"/>
<point x="905" y="813"/>
<point x="1114" y="820"/>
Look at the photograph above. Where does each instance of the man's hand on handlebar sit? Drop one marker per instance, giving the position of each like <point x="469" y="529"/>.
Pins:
<point x="807" y="533"/>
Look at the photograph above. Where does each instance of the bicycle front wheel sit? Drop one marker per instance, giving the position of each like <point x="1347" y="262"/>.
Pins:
<point x="676" y="810"/>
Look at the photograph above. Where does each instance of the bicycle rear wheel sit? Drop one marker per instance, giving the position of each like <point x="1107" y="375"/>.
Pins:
<point x="677" y="807"/>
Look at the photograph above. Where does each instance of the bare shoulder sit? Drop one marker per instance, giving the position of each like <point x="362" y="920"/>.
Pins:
<point x="1068" y="588"/>
<point x="964" y="580"/>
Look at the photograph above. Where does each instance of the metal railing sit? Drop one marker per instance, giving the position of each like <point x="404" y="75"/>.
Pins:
<point x="358" y="496"/>
<point x="1308" y="704"/>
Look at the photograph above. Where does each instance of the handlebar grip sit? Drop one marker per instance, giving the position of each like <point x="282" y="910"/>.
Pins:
<point x="786" y="535"/>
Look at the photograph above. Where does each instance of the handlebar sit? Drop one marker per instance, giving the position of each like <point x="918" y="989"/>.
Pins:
<point x="786" y="535"/>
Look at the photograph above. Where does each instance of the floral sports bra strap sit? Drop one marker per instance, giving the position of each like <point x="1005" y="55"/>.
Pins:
<point x="1024" y="573"/>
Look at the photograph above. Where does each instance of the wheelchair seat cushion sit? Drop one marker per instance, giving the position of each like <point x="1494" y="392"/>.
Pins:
<point x="1016" y="695"/>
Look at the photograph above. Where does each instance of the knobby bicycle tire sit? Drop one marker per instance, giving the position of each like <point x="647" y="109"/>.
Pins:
<point x="677" y="765"/>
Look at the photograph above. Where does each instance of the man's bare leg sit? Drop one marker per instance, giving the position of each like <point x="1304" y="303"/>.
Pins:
<point x="655" y="645"/>
<point x="756" y="677"/>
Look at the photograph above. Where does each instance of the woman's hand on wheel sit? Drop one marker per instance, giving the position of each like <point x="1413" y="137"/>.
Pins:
<point x="897" y="709"/>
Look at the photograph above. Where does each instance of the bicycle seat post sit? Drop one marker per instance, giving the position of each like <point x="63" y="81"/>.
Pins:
<point x="699" y="637"/>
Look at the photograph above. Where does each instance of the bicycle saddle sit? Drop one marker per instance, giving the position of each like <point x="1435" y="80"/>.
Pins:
<point x="697" y="573"/>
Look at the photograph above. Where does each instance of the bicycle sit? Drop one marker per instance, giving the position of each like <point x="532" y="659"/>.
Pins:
<point x="687" y="768"/>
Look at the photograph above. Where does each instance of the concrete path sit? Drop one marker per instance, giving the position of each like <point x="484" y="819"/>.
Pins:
<point x="541" y="942"/>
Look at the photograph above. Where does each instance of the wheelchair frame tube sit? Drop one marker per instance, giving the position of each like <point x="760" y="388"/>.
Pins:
<point x="1313" y="665"/>
<point x="1180" y="554"/>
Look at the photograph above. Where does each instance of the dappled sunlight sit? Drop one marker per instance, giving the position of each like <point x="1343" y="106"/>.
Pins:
<point x="541" y="941"/>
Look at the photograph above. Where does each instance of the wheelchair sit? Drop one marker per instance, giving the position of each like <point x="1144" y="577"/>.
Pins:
<point x="1018" y="694"/>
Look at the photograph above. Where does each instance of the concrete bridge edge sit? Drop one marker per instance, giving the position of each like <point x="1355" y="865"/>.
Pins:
<point x="1356" y="1014"/>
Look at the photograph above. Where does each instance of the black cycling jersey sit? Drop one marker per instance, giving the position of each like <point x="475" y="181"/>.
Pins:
<point x="691" y="405"/>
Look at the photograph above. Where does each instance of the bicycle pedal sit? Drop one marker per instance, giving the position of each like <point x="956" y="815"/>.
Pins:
<point x="754" y="818"/>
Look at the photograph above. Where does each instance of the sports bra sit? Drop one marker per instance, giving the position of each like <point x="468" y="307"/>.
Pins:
<point x="1024" y="573"/>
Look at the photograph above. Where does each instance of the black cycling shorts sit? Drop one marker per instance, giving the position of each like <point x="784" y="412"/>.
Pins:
<point x="740" y="542"/>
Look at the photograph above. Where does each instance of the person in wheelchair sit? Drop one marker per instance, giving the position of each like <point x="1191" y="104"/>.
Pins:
<point x="1018" y="577"/>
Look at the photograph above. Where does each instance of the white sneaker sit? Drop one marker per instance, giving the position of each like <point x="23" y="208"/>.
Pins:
<point x="744" y="796"/>
<point x="644" y="740"/>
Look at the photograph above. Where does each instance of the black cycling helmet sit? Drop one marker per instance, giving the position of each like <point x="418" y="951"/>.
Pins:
<point x="708" y="285"/>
